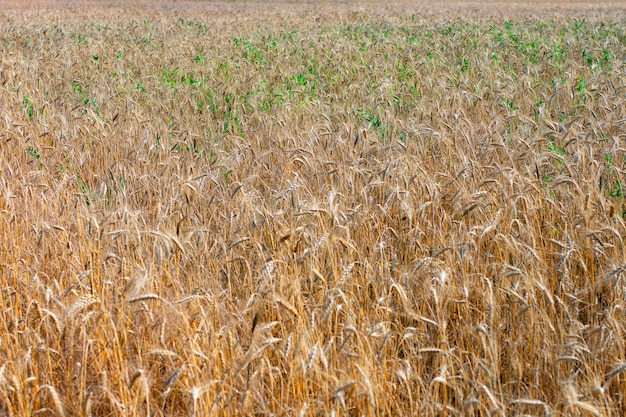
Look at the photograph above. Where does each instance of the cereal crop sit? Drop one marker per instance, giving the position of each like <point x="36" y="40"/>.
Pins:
<point x="241" y="209"/>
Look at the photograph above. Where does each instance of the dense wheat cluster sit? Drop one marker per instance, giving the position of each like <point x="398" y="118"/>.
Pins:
<point x="303" y="212"/>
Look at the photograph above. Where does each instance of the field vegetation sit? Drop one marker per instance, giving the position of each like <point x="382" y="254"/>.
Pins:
<point x="311" y="213"/>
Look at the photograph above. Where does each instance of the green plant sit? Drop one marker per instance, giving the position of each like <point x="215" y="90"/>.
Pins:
<point x="558" y="150"/>
<point x="140" y="87"/>
<point x="251" y="53"/>
<point x="27" y="105"/>
<point x="35" y="154"/>
<point x="85" y="100"/>
<point x="581" y="88"/>
<point x="616" y="190"/>
<point x="84" y="190"/>
<point x="170" y="76"/>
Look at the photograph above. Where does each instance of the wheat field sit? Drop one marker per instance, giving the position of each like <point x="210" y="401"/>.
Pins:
<point x="229" y="209"/>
